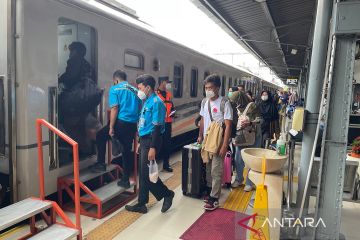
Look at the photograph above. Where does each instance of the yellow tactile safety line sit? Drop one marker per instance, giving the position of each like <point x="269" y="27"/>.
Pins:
<point x="238" y="200"/>
<point x="123" y="219"/>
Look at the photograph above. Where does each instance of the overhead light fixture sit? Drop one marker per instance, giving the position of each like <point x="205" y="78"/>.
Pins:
<point x="294" y="51"/>
<point x="260" y="1"/>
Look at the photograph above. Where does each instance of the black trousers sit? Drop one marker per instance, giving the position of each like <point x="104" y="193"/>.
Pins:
<point x="166" y="146"/>
<point x="158" y="189"/>
<point x="125" y="132"/>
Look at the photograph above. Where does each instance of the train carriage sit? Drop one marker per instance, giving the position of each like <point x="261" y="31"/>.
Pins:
<point x="37" y="39"/>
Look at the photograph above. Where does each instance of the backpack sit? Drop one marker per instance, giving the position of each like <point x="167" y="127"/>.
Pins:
<point x="224" y="100"/>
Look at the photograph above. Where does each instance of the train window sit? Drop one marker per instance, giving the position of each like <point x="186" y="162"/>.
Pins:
<point x="206" y="74"/>
<point x="79" y="64"/>
<point x="223" y="82"/>
<point x="178" y="80"/>
<point x="156" y="65"/>
<point x="235" y="82"/>
<point x="194" y="82"/>
<point x="230" y="82"/>
<point x="133" y="59"/>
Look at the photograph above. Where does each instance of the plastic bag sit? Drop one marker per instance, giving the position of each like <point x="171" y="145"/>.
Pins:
<point x="116" y="146"/>
<point x="153" y="171"/>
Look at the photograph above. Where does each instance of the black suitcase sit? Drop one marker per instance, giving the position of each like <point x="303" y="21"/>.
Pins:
<point x="193" y="171"/>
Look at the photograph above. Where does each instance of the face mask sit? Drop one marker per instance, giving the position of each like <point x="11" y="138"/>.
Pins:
<point x="264" y="98"/>
<point x="230" y="94"/>
<point x="210" y="94"/>
<point x="141" y="95"/>
<point x="168" y="86"/>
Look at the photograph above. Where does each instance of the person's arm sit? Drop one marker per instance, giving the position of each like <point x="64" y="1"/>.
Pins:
<point x="114" y="110"/>
<point x="158" y="120"/>
<point x="227" y="135"/>
<point x="113" y="117"/>
<point x="201" y="130"/>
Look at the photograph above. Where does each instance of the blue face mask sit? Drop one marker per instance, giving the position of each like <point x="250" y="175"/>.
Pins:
<point x="230" y="94"/>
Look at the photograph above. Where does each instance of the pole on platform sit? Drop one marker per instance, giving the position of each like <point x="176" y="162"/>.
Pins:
<point x="314" y="87"/>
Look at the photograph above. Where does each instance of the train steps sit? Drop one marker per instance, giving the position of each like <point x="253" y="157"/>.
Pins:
<point x="100" y="194"/>
<point x="28" y="209"/>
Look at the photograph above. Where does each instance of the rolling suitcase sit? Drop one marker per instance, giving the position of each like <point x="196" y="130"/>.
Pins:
<point x="227" y="169"/>
<point x="193" y="171"/>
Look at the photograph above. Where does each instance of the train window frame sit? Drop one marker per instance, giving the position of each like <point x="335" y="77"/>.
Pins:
<point x="223" y="82"/>
<point x="178" y="86"/>
<point x="194" y="82"/>
<point x="206" y="74"/>
<point x="156" y="64"/>
<point x="136" y="54"/>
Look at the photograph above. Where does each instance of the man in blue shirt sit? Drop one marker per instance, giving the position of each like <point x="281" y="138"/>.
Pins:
<point x="151" y="127"/>
<point x="124" y="114"/>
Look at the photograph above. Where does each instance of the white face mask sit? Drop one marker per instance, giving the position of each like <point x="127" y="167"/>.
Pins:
<point x="168" y="86"/>
<point x="264" y="98"/>
<point x="141" y="95"/>
<point x="210" y="94"/>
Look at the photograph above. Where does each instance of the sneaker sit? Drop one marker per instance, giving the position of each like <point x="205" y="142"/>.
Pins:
<point x="212" y="204"/>
<point x="124" y="183"/>
<point x="136" y="208"/>
<point x="236" y="184"/>
<point x="249" y="188"/>
<point x="98" y="167"/>
<point x="167" y="202"/>
<point x="206" y="198"/>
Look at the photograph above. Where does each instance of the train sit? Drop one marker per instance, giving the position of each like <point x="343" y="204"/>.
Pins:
<point x="34" y="52"/>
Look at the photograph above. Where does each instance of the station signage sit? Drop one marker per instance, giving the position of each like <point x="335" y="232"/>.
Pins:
<point x="291" y="81"/>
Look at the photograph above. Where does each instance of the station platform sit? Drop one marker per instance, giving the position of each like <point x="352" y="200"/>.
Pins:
<point x="184" y="212"/>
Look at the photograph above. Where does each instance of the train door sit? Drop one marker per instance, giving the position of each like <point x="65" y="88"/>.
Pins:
<point x="75" y="110"/>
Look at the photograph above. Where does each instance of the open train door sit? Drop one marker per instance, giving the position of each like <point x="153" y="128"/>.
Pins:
<point x="66" y="111"/>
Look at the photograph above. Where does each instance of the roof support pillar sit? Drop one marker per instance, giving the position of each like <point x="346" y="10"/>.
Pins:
<point x="314" y="88"/>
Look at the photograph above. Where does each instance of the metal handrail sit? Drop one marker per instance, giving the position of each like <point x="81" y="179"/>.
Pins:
<point x="39" y="123"/>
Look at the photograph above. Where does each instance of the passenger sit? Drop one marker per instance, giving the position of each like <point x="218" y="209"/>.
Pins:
<point x="164" y="94"/>
<point x="214" y="166"/>
<point x="124" y="115"/>
<point x="151" y="127"/>
<point x="270" y="117"/>
<point x="250" y="95"/>
<point x="241" y="88"/>
<point x="254" y="115"/>
<point x="77" y="67"/>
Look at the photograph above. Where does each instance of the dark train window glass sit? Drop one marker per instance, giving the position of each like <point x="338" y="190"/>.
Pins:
<point x="206" y="73"/>
<point x="156" y="65"/>
<point x="223" y="82"/>
<point x="134" y="59"/>
<point x="178" y="80"/>
<point x="235" y="82"/>
<point x="194" y="82"/>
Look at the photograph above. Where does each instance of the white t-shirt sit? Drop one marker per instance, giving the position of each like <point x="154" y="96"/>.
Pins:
<point x="217" y="115"/>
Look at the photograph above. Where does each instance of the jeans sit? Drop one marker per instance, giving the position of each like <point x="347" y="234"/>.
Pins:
<point x="240" y="164"/>
<point x="158" y="189"/>
<point x="125" y="133"/>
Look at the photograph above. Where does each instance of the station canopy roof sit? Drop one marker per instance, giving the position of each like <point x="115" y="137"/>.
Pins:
<point x="278" y="32"/>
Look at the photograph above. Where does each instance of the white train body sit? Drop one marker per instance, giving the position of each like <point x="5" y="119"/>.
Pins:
<point x="42" y="28"/>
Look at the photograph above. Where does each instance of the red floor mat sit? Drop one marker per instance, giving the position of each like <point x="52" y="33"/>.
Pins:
<point x="220" y="224"/>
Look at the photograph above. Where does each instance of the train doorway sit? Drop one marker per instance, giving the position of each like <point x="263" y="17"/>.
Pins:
<point x="77" y="94"/>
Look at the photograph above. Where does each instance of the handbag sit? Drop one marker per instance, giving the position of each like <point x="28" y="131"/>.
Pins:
<point x="245" y="136"/>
